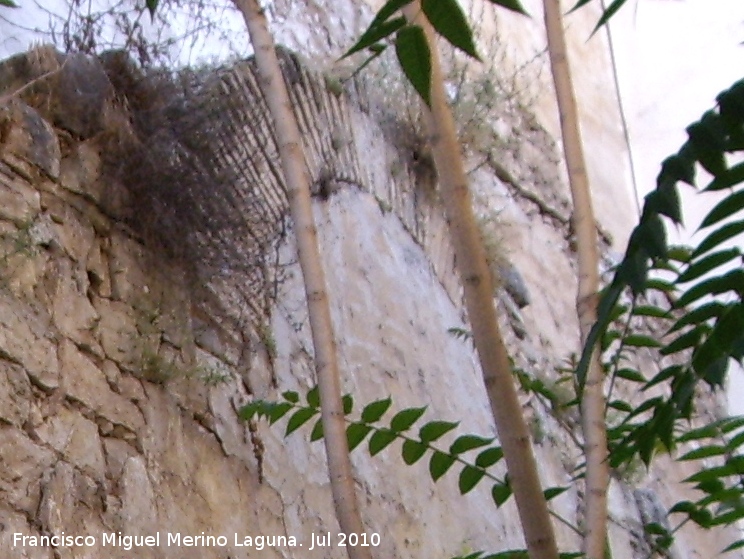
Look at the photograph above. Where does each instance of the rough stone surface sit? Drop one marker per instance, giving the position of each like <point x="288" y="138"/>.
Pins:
<point x="23" y="339"/>
<point x="72" y="311"/>
<point x="82" y="92"/>
<point x="15" y="394"/>
<point x="27" y="141"/>
<point x="86" y="383"/>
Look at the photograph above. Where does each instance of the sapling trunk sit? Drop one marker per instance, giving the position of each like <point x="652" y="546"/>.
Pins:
<point x="585" y="229"/>
<point x="300" y="206"/>
<point x="494" y="359"/>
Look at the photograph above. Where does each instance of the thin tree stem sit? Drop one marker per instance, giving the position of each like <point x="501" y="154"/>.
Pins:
<point x="585" y="229"/>
<point x="300" y="205"/>
<point x="495" y="364"/>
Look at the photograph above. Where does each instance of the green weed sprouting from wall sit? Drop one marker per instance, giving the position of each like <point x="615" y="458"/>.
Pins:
<point x="18" y="244"/>
<point x="266" y="337"/>
<point x="379" y="436"/>
<point x="160" y="370"/>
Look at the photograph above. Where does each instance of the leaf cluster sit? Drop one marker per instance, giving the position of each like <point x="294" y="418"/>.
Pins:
<point x="704" y="328"/>
<point x="409" y="39"/>
<point x="721" y="484"/>
<point x="607" y="12"/>
<point x="379" y="435"/>
<point x="714" y="330"/>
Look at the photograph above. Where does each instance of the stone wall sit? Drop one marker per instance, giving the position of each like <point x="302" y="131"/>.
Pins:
<point x="120" y="385"/>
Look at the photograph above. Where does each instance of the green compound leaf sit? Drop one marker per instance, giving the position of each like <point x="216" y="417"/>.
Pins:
<point x="734" y="546"/>
<point x="374" y="411"/>
<point x="500" y="493"/>
<point x="512" y="5"/>
<point x="298" y="419"/>
<point x="729" y="178"/>
<point x="435" y="429"/>
<point x="724" y="233"/>
<point x="468" y="442"/>
<point x="639" y="340"/>
<point x="313" y="397"/>
<point x="348" y="403"/>
<point x="390" y="7"/>
<point x="553" y="492"/>
<point x="403" y="420"/>
<point x="714" y="309"/>
<point x="631" y="374"/>
<point x="489" y="457"/>
<point x="356" y="433"/>
<point x="608" y="13"/>
<point x="317" y="432"/>
<point x="152" y="5"/>
<point x="469" y="478"/>
<point x="376" y="33"/>
<point x="509" y="554"/>
<point x="414" y="57"/>
<point x="704" y="452"/>
<point x="652" y="311"/>
<point x="380" y="440"/>
<point x="448" y="19"/>
<point x="276" y="411"/>
<point x="439" y="464"/>
<point x="413" y="451"/>
<point x="730" y="281"/>
<point x="247" y="412"/>
<point x="710" y="262"/>
<point x="291" y="397"/>
<point x="735" y="442"/>
<point x="726" y="207"/>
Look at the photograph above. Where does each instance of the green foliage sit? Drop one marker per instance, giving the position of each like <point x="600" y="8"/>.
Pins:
<point x="460" y="333"/>
<point x="702" y="340"/>
<point x="16" y="248"/>
<point x="512" y="5"/>
<point x="719" y="481"/>
<point x="414" y="57"/>
<point x="512" y="554"/>
<point x="213" y="377"/>
<point x="414" y="447"/>
<point x="152" y="5"/>
<point x="448" y="19"/>
<point x="608" y="12"/>
<point x="159" y="370"/>
<point x="411" y="47"/>
<point x="717" y="333"/>
<point x="266" y="337"/>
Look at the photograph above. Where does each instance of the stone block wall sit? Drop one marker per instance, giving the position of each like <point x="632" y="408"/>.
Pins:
<point x="120" y="381"/>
